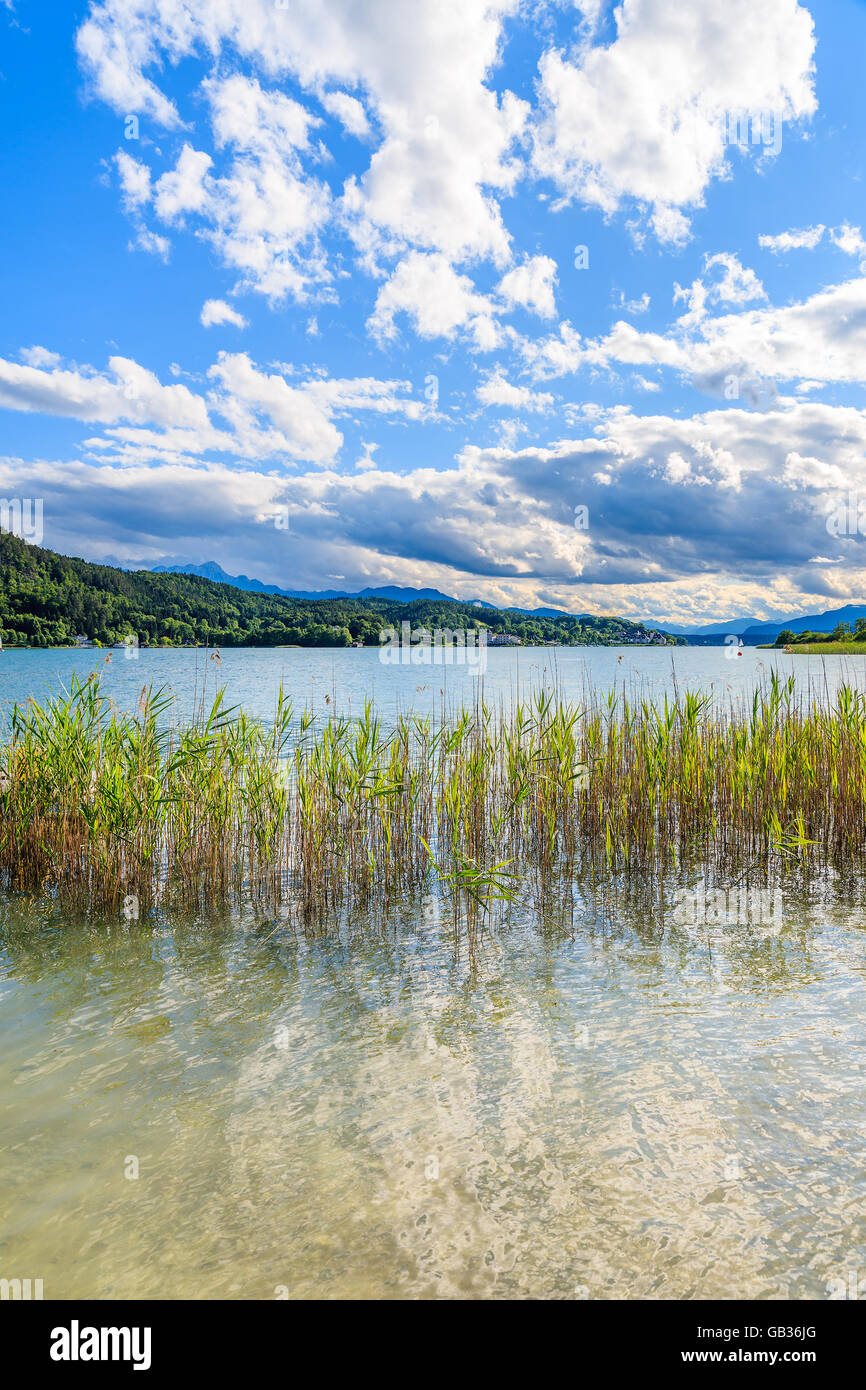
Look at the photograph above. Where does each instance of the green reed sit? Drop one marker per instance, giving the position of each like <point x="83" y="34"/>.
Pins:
<point x="97" y="805"/>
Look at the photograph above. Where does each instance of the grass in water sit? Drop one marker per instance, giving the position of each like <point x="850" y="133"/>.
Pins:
<point x="96" y="805"/>
<point x="826" y="649"/>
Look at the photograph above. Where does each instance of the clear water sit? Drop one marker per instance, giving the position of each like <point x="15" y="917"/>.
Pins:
<point x="634" y="1111"/>
<point x="344" y="678"/>
<point x="630" y="1105"/>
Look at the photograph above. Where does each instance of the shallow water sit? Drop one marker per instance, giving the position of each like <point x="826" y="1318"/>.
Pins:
<point x="329" y="678"/>
<point x="643" y="1106"/>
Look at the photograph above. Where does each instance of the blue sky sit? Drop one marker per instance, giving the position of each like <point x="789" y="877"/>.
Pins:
<point x="352" y="294"/>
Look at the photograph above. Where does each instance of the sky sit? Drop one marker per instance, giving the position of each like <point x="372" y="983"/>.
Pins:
<point x="532" y="301"/>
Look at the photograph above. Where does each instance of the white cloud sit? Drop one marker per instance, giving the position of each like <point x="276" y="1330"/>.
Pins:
<point x="366" y="462"/>
<point x="808" y="472"/>
<point x="152" y="242"/>
<point x="39" y="357"/>
<point x="849" y="239"/>
<point x="436" y="299"/>
<point x="531" y="285"/>
<point x="349" y="111"/>
<point x="136" y="193"/>
<point x="265" y="416"/>
<point x="822" y="339"/>
<point x="248" y="118"/>
<point x="637" y="120"/>
<point x="114" y="49"/>
<point x="183" y="189"/>
<point x="216" y="311"/>
<point x="422" y="71"/>
<point x="262" y="215"/>
<point x="269" y="415"/>
<point x="134" y="180"/>
<point x="248" y="397"/>
<point x="130" y="393"/>
<point x="497" y="390"/>
<point x="559" y="354"/>
<point x="797" y="239"/>
<point x="632" y="306"/>
<point x="738" y="284"/>
<point x="677" y="469"/>
<point x="440" y="302"/>
<point x="642" y="118"/>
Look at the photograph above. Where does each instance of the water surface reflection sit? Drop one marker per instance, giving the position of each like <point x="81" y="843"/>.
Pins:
<point x="641" y="1106"/>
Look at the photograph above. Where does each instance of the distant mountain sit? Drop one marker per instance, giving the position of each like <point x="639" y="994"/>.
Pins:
<point x="737" y="625"/>
<point x="211" y="570"/>
<point x="814" y="622"/>
<point x="753" y="630"/>
<point x="548" y="613"/>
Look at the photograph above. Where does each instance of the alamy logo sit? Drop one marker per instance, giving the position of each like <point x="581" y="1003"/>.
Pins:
<point x="851" y="1286"/>
<point x="848" y="518"/>
<point x="443" y="647"/>
<point x="729" y="909"/>
<point x="20" y="1288"/>
<point x="753" y="128"/>
<point x="22" y="517"/>
<point x="76" y="1343"/>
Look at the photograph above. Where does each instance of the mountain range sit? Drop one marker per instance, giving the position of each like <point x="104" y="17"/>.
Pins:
<point x="760" y="630"/>
<point x="211" y="570"/>
<point x="751" y="629"/>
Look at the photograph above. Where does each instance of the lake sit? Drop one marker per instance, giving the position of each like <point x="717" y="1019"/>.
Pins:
<point x="630" y="1103"/>
<point x="344" y="678"/>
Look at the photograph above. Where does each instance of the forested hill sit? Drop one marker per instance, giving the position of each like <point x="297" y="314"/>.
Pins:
<point x="46" y="600"/>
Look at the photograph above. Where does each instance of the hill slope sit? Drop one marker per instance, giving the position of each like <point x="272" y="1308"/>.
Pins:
<point x="47" y="599"/>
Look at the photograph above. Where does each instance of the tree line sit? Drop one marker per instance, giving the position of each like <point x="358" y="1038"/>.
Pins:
<point x="842" y="632"/>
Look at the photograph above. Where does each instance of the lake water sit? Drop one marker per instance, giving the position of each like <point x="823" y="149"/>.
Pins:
<point x="640" y="1106"/>
<point x="632" y="1113"/>
<point x="344" y="678"/>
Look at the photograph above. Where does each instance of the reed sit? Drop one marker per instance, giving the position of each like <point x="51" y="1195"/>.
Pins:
<point x="102" y="808"/>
